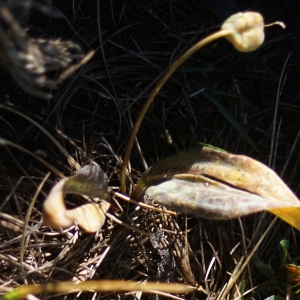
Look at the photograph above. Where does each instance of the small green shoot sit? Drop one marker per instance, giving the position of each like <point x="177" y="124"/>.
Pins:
<point x="285" y="245"/>
<point x="267" y="271"/>
<point x="288" y="289"/>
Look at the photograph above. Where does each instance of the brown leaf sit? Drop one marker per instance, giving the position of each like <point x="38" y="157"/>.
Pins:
<point x="218" y="185"/>
<point x="90" y="181"/>
<point x="293" y="272"/>
<point x="91" y="216"/>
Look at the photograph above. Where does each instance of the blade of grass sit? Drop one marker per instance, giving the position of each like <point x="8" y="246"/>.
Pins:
<point x="100" y="285"/>
<point x="4" y="142"/>
<point x="70" y="159"/>
<point x="230" y="118"/>
<point x="238" y="271"/>
<point x="26" y="221"/>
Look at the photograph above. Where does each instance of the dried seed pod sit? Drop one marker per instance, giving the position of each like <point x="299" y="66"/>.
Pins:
<point x="247" y="30"/>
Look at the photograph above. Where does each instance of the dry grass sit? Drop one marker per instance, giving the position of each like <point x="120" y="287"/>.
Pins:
<point x="91" y="115"/>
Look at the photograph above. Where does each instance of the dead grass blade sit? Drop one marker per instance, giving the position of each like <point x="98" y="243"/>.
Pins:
<point x="4" y="142"/>
<point x="70" y="159"/>
<point x="240" y="269"/>
<point x="26" y="220"/>
<point x="94" y="285"/>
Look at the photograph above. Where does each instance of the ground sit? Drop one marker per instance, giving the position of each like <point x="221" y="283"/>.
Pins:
<point x="91" y="113"/>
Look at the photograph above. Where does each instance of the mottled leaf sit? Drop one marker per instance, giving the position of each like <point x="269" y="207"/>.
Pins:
<point x="90" y="181"/>
<point x="215" y="184"/>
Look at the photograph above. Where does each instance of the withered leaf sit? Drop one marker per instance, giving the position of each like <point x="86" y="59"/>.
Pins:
<point x="215" y="184"/>
<point x="293" y="273"/>
<point x="90" y="181"/>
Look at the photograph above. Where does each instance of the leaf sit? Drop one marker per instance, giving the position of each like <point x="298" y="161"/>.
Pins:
<point x="218" y="185"/>
<point x="231" y="119"/>
<point x="263" y="268"/>
<point x="285" y="245"/>
<point x="293" y="272"/>
<point x="274" y="297"/>
<point x="293" y="269"/>
<point x="90" y="181"/>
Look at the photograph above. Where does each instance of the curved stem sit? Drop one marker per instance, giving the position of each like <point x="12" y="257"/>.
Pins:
<point x="159" y="85"/>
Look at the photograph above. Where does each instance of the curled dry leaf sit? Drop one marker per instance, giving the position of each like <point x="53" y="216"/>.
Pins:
<point x="90" y="181"/>
<point x="293" y="273"/>
<point x="218" y="185"/>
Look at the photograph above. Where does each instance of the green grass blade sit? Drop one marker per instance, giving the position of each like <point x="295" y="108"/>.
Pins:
<point x="230" y="118"/>
<point x="263" y="268"/>
<point x="285" y="244"/>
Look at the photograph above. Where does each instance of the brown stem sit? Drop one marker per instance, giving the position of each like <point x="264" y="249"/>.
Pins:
<point x="159" y="85"/>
